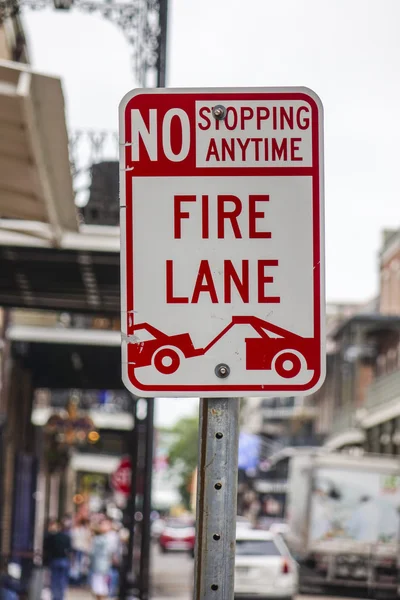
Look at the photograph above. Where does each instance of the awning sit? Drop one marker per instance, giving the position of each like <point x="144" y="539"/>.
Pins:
<point x="380" y="414"/>
<point x="120" y="421"/>
<point x="81" y="275"/>
<point x="54" y="335"/>
<point x="349" y="437"/>
<point x="35" y="177"/>
<point x="69" y="358"/>
<point x="95" y="463"/>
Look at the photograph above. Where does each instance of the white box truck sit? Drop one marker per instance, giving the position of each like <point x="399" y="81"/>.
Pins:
<point x="343" y="517"/>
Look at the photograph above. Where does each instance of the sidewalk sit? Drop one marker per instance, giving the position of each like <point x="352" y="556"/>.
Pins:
<point x="83" y="594"/>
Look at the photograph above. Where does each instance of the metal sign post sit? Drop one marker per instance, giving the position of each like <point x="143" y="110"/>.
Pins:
<point x="216" y="498"/>
<point x="145" y="549"/>
<point x="130" y="510"/>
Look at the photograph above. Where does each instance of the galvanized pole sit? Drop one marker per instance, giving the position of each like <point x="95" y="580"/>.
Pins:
<point x="216" y="499"/>
<point x="127" y="560"/>
<point x="144" y="583"/>
<point x="162" y="44"/>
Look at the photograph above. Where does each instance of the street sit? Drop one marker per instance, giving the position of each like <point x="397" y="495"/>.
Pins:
<point x="172" y="576"/>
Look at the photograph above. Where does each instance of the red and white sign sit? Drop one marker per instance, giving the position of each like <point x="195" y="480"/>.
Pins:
<point x="222" y="242"/>
<point x="122" y="477"/>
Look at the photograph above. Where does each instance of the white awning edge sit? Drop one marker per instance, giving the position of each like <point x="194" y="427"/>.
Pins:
<point x="380" y="414"/>
<point x="345" y="438"/>
<point x="90" y="238"/>
<point x="101" y="420"/>
<point x="95" y="463"/>
<point x="55" y="335"/>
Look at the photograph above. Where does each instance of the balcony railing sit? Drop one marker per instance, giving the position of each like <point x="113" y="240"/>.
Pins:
<point x="278" y="408"/>
<point x="383" y="389"/>
<point x="109" y="402"/>
<point x="295" y="412"/>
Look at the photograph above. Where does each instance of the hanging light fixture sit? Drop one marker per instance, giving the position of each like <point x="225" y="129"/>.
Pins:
<point x="71" y="428"/>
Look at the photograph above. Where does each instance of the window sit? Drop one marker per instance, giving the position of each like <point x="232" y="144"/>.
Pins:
<point x="391" y="360"/>
<point x="256" y="548"/>
<point x="278" y="402"/>
<point x="381" y="365"/>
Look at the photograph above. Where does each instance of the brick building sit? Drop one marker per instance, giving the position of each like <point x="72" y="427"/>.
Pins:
<point x="390" y="273"/>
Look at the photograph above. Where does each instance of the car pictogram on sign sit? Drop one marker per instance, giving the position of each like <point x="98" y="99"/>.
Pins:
<point x="275" y="349"/>
<point x="164" y="352"/>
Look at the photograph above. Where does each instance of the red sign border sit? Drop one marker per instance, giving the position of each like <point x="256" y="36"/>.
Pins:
<point x="127" y="243"/>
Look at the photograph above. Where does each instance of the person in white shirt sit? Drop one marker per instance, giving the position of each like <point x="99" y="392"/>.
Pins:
<point x="81" y="539"/>
<point x="102" y="558"/>
<point x="116" y="544"/>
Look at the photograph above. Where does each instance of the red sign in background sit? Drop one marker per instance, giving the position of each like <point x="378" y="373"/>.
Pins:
<point x="122" y="477"/>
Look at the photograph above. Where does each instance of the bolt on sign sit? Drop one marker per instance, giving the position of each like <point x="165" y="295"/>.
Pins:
<point x="222" y="242"/>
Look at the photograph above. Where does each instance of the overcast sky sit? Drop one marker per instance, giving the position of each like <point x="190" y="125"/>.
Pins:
<point x="348" y="51"/>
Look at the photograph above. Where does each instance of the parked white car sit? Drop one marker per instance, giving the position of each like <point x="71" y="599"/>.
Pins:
<point x="281" y="528"/>
<point x="243" y="523"/>
<point x="264" y="567"/>
<point x="157" y="527"/>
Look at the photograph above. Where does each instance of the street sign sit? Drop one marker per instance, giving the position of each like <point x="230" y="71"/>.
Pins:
<point x="222" y="242"/>
<point x="121" y="478"/>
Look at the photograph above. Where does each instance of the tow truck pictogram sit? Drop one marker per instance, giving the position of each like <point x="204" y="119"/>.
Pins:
<point x="285" y="354"/>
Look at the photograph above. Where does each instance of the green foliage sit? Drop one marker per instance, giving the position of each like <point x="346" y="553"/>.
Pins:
<point x="183" y="452"/>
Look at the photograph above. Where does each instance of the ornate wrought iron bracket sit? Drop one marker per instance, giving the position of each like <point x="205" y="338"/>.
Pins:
<point x="143" y="23"/>
<point x="87" y="148"/>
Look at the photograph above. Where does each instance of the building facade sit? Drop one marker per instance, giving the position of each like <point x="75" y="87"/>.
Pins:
<point x="359" y="403"/>
<point x="274" y="423"/>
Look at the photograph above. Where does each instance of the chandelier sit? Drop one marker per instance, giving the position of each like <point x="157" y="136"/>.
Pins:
<point x="66" y="431"/>
<point x="70" y="428"/>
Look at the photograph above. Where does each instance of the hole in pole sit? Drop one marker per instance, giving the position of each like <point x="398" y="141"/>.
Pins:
<point x="219" y="435"/>
<point x="214" y="587"/>
<point x="216" y="537"/>
<point x="218" y="486"/>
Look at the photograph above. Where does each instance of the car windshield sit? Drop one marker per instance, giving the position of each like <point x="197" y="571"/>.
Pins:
<point x="144" y="335"/>
<point x="256" y="548"/>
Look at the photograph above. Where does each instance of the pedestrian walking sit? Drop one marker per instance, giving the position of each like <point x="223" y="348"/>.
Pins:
<point x="102" y="560"/>
<point x="116" y="543"/>
<point x="57" y="553"/>
<point x="81" y="544"/>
